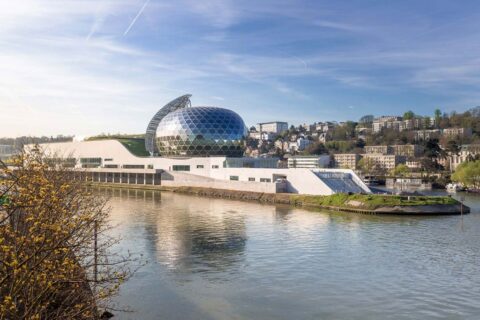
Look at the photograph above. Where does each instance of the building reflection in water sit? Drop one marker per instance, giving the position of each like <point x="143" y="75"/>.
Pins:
<point x="185" y="233"/>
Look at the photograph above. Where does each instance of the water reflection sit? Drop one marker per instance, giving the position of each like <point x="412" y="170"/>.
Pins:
<point x="220" y="259"/>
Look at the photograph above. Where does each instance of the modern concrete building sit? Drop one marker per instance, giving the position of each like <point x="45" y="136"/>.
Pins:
<point x="199" y="147"/>
<point x="346" y="160"/>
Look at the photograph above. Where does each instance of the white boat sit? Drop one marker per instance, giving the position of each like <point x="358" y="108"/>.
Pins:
<point x="454" y="187"/>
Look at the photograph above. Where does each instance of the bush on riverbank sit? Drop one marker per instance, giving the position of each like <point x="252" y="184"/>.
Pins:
<point x="50" y="266"/>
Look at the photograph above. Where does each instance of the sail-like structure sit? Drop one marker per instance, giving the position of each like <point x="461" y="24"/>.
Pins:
<point x="150" y="137"/>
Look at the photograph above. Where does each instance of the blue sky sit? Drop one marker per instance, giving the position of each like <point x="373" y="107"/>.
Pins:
<point x="86" y="67"/>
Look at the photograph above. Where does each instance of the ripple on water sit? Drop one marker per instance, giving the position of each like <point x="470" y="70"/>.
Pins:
<point x="220" y="259"/>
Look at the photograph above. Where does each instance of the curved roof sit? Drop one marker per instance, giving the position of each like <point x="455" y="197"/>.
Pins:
<point x="150" y="136"/>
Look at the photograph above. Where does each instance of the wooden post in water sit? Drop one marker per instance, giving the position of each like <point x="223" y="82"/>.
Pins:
<point x="95" y="254"/>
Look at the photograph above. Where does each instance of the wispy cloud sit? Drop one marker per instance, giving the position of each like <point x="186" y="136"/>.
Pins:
<point x="136" y="17"/>
<point x="70" y="68"/>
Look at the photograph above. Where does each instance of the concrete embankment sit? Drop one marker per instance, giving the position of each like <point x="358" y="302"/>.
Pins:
<point x="359" y="203"/>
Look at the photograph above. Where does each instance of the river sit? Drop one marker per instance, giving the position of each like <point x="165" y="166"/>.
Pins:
<point x="221" y="259"/>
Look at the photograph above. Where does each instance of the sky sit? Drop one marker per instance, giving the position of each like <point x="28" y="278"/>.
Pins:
<point x="85" y="67"/>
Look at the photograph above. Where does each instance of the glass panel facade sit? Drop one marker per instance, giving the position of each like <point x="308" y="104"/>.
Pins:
<point x="201" y="131"/>
<point x="181" y="168"/>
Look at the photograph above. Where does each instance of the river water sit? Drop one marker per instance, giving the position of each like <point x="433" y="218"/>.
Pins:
<point x="221" y="259"/>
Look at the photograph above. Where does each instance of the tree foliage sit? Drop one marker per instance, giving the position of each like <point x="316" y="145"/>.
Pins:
<point x="50" y="267"/>
<point x="468" y="174"/>
<point x="400" y="170"/>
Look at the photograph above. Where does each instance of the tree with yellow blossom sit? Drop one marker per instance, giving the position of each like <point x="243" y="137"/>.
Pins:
<point x="56" y="260"/>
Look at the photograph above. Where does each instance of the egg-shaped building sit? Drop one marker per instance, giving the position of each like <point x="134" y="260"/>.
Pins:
<point x="201" y="132"/>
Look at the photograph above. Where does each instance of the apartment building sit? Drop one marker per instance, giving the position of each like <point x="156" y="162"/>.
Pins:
<point x="378" y="149"/>
<point x="386" y="162"/>
<point x="407" y="150"/>
<point x="346" y="160"/>
<point x="275" y="127"/>
<point x="422" y="135"/>
<point x="457" y="132"/>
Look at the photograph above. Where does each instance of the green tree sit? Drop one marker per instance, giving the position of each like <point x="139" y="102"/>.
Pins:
<point x="468" y="174"/>
<point x="315" y="148"/>
<point x="400" y="171"/>
<point x="438" y="117"/>
<point x="408" y="115"/>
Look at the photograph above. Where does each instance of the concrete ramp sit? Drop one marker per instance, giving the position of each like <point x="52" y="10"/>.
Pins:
<point x="341" y="182"/>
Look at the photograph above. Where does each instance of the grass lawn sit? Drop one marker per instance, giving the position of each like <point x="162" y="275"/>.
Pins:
<point x="135" y="146"/>
<point x="371" y="201"/>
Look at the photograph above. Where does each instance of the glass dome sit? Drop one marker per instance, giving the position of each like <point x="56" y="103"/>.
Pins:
<point x="201" y="131"/>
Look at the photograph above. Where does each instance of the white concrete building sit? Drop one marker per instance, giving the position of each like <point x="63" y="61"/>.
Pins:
<point x="109" y="161"/>
<point x="275" y="127"/>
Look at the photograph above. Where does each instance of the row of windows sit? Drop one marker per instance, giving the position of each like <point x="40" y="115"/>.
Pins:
<point x="133" y="166"/>
<point x="235" y="178"/>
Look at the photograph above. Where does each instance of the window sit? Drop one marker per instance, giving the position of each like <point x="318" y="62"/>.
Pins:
<point x="199" y="166"/>
<point x="214" y="166"/>
<point x="251" y="179"/>
<point x="181" y="168"/>
<point x="111" y="166"/>
<point x="133" y="166"/>
<point x="109" y="159"/>
<point x="90" y="162"/>
<point x="265" y="180"/>
<point x="235" y="178"/>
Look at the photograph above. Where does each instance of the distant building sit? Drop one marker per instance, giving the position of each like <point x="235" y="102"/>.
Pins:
<point x="457" y="132"/>
<point x="346" y="160"/>
<point x="6" y="151"/>
<point x="303" y="143"/>
<point x="413" y="164"/>
<point x="387" y="162"/>
<point x="423" y="135"/>
<point x="311" y="162"/>
<point x="398" y="124"/>
<point x="325" y="126"/>
<point x="407" y="150"/>
<point x="275" y="127"/>
<point x="467" y="152"/>
<point x="384" y="122"/>
<point x="378" y="149"/>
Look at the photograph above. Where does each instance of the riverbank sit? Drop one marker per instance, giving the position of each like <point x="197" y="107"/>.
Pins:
<point x="360" y="203"/>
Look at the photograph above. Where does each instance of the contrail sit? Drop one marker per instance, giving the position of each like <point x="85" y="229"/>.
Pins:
<point x="136" y="17"/>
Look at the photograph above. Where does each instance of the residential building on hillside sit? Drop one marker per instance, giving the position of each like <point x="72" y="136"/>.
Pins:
<point x="386" y="162"/>
<point x="275" y="127"/>
<point x="346" y="160"/>
<point x="457" y="132"/>
<point x="325" y="126"/>
<point x="407" y="150"/>
<point x="467" y="152"/>
<point x="422" y="135"/>
<point x="378" y="149"/>
<point x="384" y="122"/>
